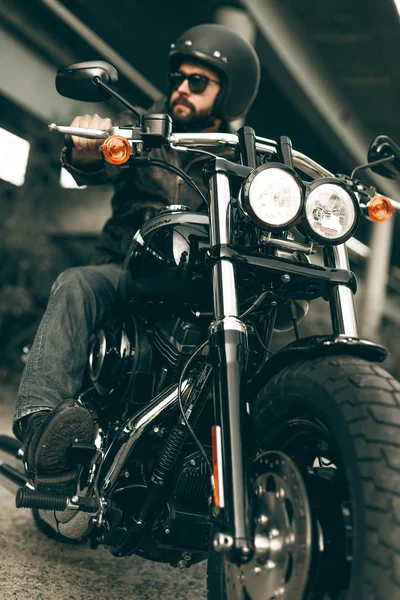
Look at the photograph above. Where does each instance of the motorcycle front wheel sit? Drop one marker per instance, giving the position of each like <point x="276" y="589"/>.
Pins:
<point x="323" y="487"/>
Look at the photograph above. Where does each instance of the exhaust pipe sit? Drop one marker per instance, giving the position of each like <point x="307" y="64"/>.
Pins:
<point x="12" y="473"/>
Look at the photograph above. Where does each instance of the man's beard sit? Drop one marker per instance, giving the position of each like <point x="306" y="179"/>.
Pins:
<point x="193" y="120"/>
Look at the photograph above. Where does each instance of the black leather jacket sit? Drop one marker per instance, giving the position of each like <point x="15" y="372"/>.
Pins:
<point x="141" y="192"/>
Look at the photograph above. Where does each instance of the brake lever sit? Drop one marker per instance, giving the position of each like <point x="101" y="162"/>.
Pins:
<point x="91" y="134"/>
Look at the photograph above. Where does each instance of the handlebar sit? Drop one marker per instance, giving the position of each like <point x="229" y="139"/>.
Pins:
<point x="92" y="134"/>
<point x="209" y="140"/>
<point x="193" y="140"/>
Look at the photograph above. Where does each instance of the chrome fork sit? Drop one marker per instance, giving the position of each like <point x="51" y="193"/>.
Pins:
<point x="341" y="299"/>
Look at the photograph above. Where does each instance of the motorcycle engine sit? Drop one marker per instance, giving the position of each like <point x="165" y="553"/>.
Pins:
<point x="175" y="340"/>
<point x="121" y="357"/>
<point x="110" y="349"/>
<point x="125" y="354"/>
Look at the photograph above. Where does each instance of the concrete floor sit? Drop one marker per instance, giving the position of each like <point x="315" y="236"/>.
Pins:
<point x="33" y="567"/>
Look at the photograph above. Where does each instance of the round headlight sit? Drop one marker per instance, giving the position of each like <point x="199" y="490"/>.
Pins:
<point x="273" y="196"/>
<point x="331" y="212"/>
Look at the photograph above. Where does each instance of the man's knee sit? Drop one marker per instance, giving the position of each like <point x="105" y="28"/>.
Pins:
<point x="85" y="282"/>
<point x="73" y="279"/>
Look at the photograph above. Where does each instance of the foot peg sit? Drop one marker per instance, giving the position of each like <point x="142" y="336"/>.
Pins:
<point x="27" y="498"/>
<point x="81" y="454"/>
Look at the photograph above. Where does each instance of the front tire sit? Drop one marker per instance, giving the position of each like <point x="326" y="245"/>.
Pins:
<point x="337" y="420"/>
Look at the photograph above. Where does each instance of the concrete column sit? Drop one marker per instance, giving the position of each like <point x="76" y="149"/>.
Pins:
<point x="376" y="278"/>
<point x="238" y="20"/>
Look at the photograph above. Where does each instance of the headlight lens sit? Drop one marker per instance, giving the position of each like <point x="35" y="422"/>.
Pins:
<point x="273" y="196"/>
<point x="331" y="212"/>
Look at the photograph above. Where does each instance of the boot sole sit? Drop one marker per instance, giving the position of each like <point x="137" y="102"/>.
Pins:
<point x="71" y="424"/>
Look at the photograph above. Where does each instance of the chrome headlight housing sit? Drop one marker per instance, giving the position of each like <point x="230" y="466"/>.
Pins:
<point x="272" y="196"/>
<point x="331" y="212"/>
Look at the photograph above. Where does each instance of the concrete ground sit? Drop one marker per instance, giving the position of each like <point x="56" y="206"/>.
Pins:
<point x="33" y="567"/>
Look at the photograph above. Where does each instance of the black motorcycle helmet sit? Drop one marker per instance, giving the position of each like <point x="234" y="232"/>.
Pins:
<point x="234" y="59"/>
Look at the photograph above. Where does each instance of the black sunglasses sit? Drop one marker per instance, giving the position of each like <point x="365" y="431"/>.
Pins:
<point x="197" y="83"/>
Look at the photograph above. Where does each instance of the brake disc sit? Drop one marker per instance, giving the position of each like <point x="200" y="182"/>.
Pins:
<point x="281" y="521"/>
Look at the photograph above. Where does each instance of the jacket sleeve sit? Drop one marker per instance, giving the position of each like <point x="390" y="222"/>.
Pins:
<point x="107" y="173"/>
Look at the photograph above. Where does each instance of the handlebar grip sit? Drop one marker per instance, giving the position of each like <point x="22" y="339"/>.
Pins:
<point x="68" y="141"/>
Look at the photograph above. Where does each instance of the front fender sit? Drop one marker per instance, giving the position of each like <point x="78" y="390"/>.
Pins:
<point x="311" y="347"/>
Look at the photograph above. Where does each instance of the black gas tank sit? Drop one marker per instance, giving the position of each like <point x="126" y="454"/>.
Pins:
<point x="166" y="261"/>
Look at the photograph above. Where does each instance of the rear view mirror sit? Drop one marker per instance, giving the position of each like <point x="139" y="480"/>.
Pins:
<point x="383" y="148"/>
<point x="77" y="81"/>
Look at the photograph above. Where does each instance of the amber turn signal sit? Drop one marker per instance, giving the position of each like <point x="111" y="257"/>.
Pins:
<point x="217" y="466"/>
<point x="117" y="150"/>
<point x="380" y="209"/>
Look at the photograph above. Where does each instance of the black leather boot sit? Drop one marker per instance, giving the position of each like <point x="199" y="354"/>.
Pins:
<point x="47" y="438"/>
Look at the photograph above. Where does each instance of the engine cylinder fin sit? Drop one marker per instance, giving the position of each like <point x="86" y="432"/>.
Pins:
<point x="194" y="482"/>
<point x="165" y="349"/>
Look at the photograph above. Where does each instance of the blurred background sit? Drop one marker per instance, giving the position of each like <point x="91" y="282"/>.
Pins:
<point x="330" y="81"/>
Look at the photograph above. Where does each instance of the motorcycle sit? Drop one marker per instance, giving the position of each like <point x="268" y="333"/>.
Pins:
<point x="280" y="468"/>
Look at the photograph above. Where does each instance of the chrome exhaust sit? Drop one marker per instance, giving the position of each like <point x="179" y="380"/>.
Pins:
<point x="133" y="429"/>
<point x="12" y="473"/>
<point x="68" y="523"/>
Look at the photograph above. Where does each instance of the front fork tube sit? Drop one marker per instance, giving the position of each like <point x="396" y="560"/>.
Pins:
<point x="228" y="349"/>
<point x="341" y="298"/>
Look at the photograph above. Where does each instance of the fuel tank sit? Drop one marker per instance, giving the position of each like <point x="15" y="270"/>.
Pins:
<point x="165" y="263"/>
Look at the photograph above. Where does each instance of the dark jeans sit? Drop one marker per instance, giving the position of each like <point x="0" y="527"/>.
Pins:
<point x="79" y="299"/>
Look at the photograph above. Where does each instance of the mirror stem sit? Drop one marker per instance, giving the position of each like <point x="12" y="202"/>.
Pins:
<point x="97" y="81"/>
<point x="381" y="161"/>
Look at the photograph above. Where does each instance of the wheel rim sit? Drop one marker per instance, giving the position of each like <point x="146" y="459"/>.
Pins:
<point x="310" y="477"/>
<point x="282" y="533"/>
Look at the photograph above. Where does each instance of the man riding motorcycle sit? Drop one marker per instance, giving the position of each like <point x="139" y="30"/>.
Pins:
<point x="213" y="79"/>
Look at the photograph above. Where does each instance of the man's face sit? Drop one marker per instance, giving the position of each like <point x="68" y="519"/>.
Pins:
<point x="187" y="106"/>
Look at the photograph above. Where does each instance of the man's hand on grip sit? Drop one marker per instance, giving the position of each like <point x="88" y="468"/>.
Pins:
<point x="86" y="152"/>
